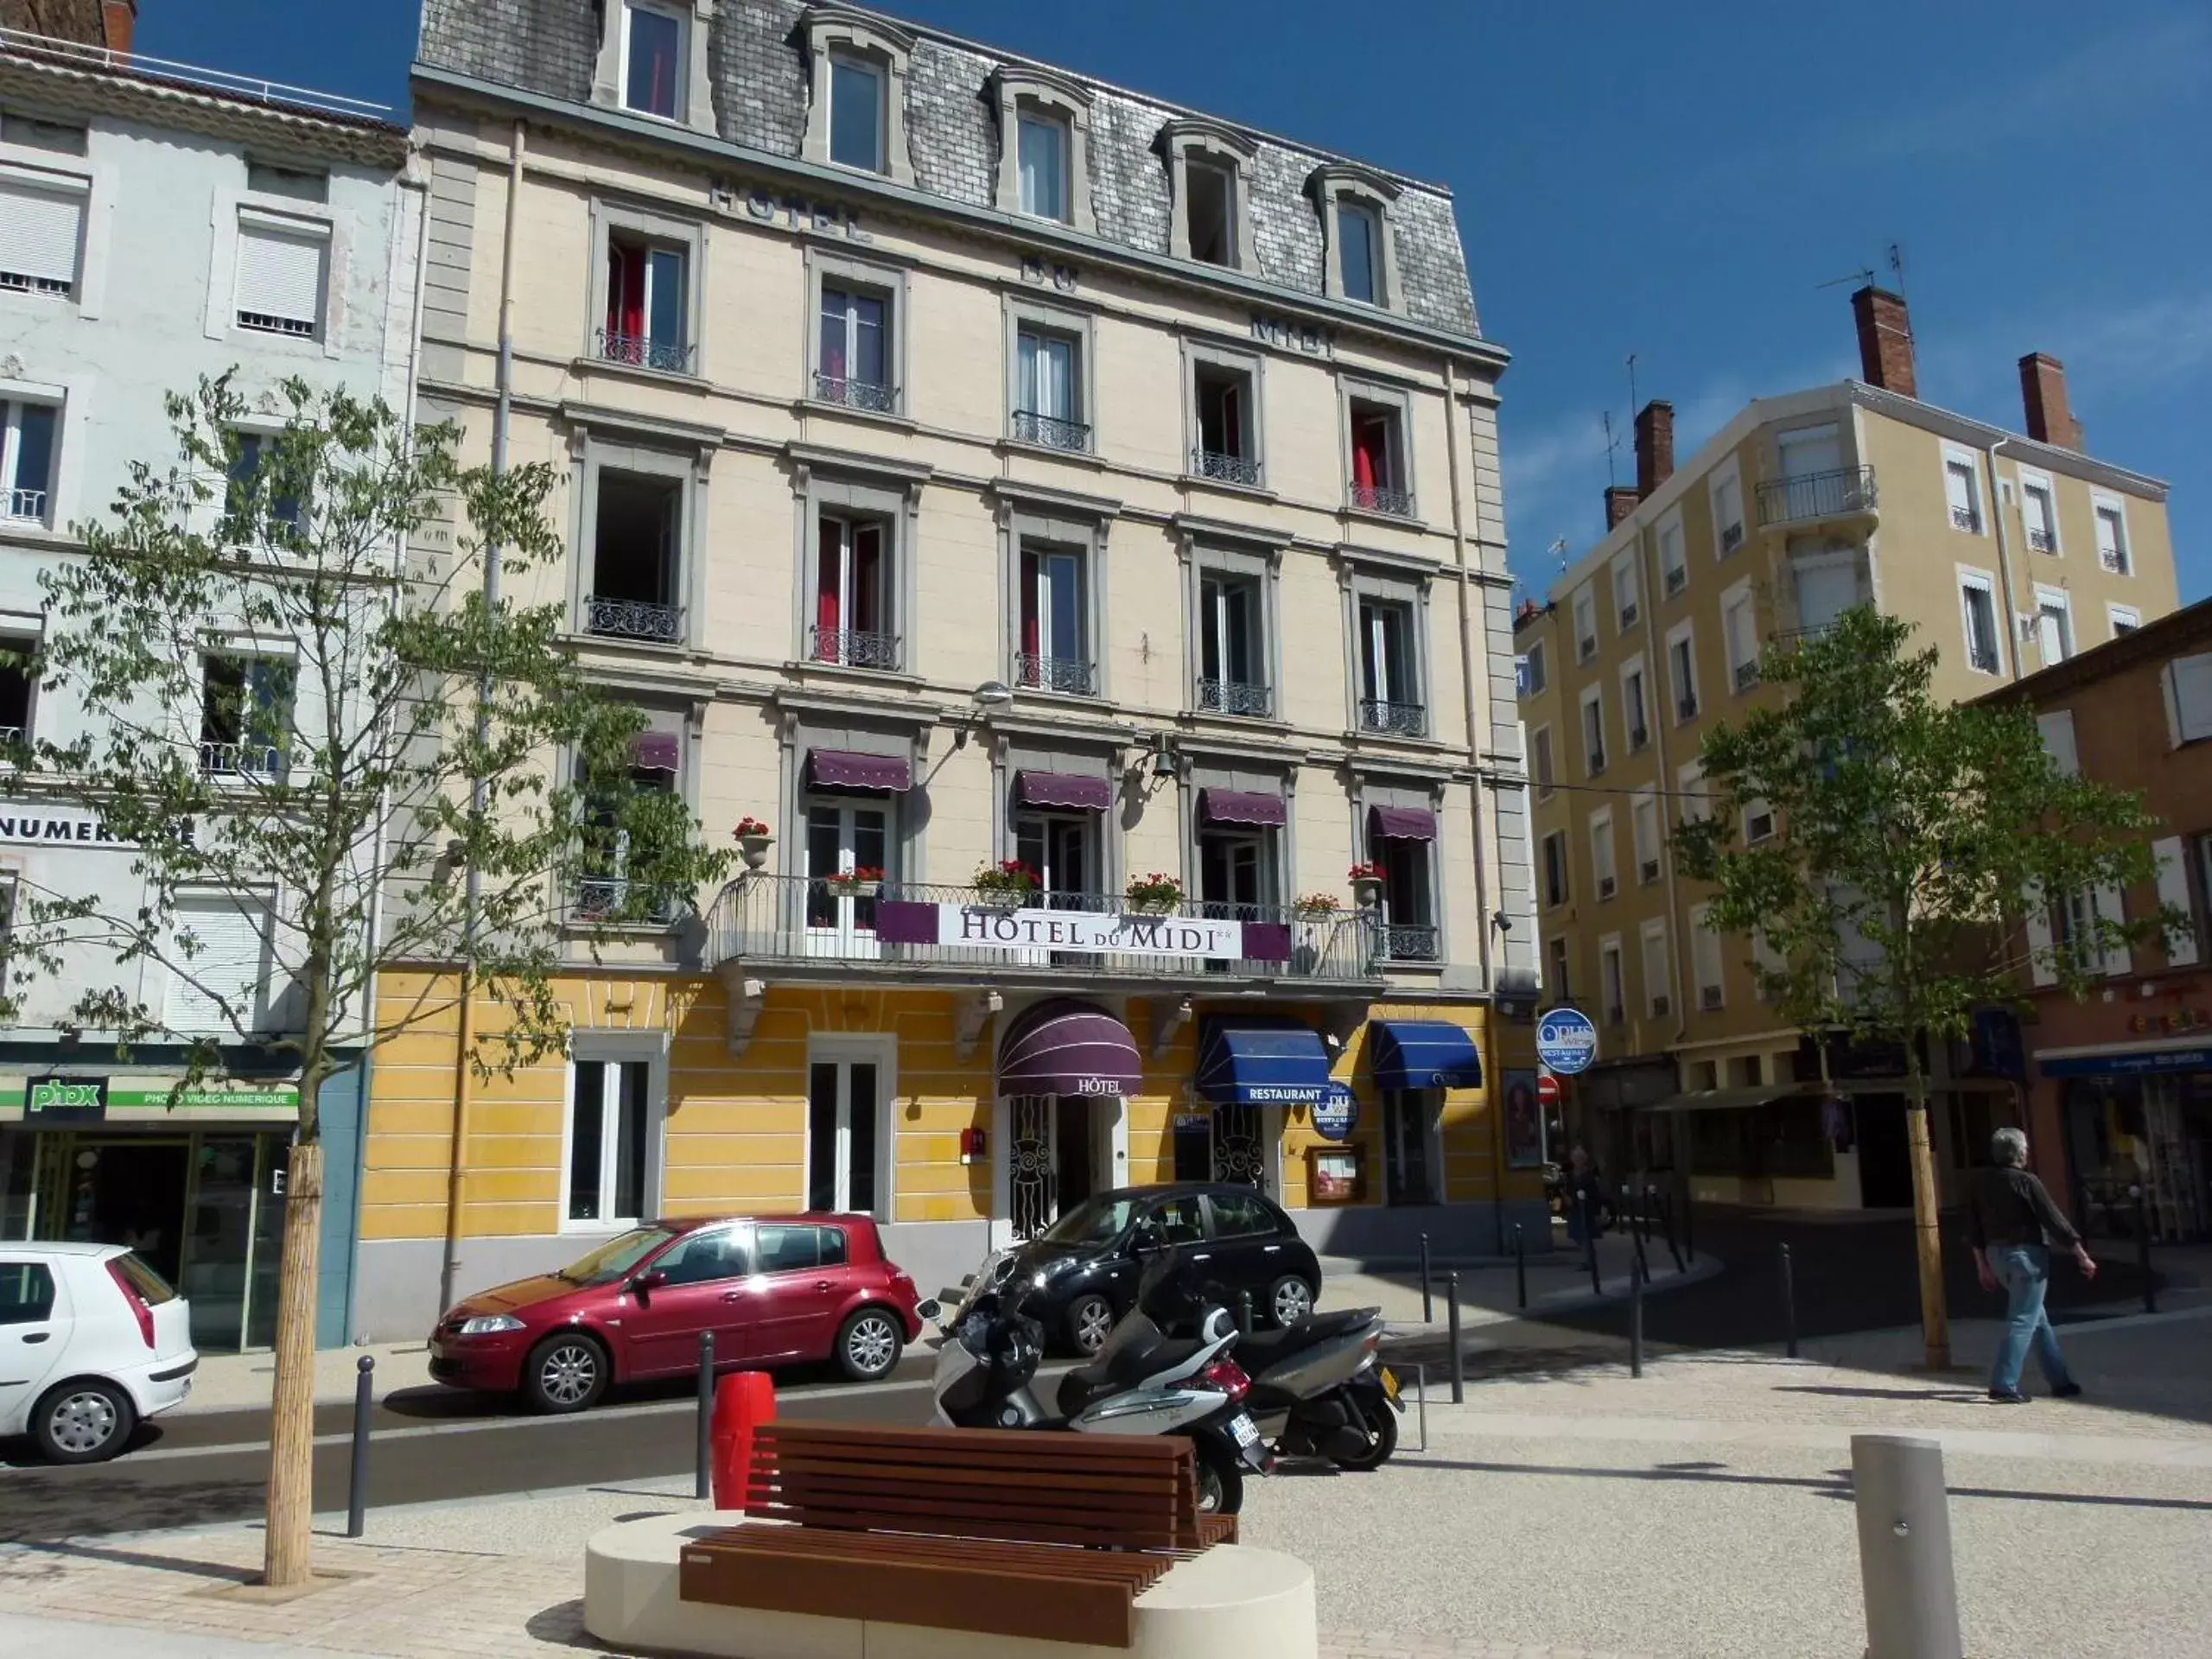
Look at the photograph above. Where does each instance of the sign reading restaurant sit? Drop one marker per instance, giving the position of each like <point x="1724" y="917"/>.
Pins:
<point x="1181" y="937"/>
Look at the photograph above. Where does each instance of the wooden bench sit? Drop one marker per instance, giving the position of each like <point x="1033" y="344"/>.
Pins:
<point x="1006" y="1533"/>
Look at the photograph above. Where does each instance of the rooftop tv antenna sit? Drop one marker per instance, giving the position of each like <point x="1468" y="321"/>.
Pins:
<point x="1612" y="446"/>
<point x="1897" y="264"/>
<point x="1863" y="276"/>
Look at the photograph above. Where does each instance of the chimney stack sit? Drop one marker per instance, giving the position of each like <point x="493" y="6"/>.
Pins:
<point x="1655" y="446"/>
<point x="118" y="19"/>
<point x="1620" y="501"/>
<point x="1885" y="340"/>
<point x="2042" y="395"/>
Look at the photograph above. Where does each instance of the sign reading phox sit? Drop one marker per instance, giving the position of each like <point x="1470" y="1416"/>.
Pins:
<point x="65" y="1100"/>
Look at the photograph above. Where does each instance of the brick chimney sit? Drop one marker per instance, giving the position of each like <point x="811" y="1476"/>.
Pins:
<point x="118" y="21"/>
<point x="1620" y="501"/>
<point x="1885" y="340"/>
<point x="1655" y="446"/>
<point x="2042" y="395"/>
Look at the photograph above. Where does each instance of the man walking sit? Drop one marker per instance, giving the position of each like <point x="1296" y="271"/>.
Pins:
<point x="2012" y="1223"/>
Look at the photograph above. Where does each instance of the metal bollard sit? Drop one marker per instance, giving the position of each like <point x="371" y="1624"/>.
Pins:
<point x="702" y="1480"/>
<point x="1788" y="1305"/>
<point x="1244" y="1313"/>
<point x="1519" y="1265"/>
<point x="1590" y="1247"/>
<point x="1427" y="1305"/>
<point x="2143" y="1250"/>
<point x="1904" y="1549"/>
<point x="357" y="1497"/>
<point x="1635" y="1231"/>
<point x="1635" y="1317"/>
<point x="1654" y="1200"/>
<point x="1689" y="1208"/>
<point x="1458" y="1360"/>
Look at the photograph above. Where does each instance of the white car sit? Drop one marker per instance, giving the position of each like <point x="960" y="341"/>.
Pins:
<point x="91" y="1342"/>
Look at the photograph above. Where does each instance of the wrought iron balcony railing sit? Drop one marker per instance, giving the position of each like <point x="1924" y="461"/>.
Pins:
<point x="870" y="395"/>
<point x="1405" y="719"/>
<point x="1381" y="498"/>
<point x="1230" y="469"/>
<point x="853" y="648"/>
<point x="644" y="351"/>
<point x="1837" y="494"/>
<point x="1051" y="430"/>
<point x="23" y="504"/>
<point x="1235" y="697"/>
<point x="633" y="618"/>
<point x="618" y="900"/>
<point x="1405" y="943"/>
<point x="2041" y="541"/>
<point x="1967" y="519"/>
<point x="1747" y="676"/>
<point x="1071" y="676"/>
<point x="242" y="760"/>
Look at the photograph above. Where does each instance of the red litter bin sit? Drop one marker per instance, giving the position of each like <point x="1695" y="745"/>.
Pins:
<point x="743" y="1400"/>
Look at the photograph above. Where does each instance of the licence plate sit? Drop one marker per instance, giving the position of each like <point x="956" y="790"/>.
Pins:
<point x="1390" y="1384"/>
<point x="1243" y="1430"/>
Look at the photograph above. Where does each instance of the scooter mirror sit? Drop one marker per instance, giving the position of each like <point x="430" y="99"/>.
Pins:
<point x="928" y="1308"/>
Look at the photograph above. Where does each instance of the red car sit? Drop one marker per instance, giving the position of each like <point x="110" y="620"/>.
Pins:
<point x="775" y="1290"/>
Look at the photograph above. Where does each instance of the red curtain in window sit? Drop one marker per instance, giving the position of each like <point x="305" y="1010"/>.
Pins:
<point x="1370" y="453"/>
<point x="625" y="290"/>
<point x="868" y="579"/>
<point x="829" y="609"/>
<point x="1031" y="633"/>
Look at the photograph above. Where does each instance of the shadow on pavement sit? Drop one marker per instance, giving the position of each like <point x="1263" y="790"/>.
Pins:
<point x="46" y="1505"/>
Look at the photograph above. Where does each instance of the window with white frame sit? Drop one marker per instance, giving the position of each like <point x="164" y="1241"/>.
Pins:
<point x="2038" y="512"/>
<point x="2111" y="518"/>
<point x="220" y="964"/>
<point x="655" y="52"/>
<point x="1657" y="977"/>
<point x="1978" y="621"/>
<point x="1612" y="984"/>
<point x="1645" y="834"/>
<point x="1602" y="867"/>
<point x="28" y="438"/>
<point x="856" y="589"/>
<point x="1673" y="562"/>
<point x="282" y="265"/>
<point x="1758" y="821"/>
<point x="1962" y="490"/>
<point x="1051" y="390"/>
<point x="1533" y="677"/>
<point x="2187" y="684"/>
<point x="245" y="714"/>
<point x="2056" y="730"/>
<point x="1727" y="510"/>
<point x="1233" y="667"/>
<point x="2123" y="618"/>
<point x="610" y="1182"/>
<point x="1706" y="960"/>
<point x="1693" y="799"/>
<point x="611" y="885"/>
<point x="2184" y="943"/>
<point x="1209" y="168"/>
<point x="41" y="234"/>
<point x="845" y="1120"/>
<point x="2054" y="625"/>
<point x="1540" y="762"/>
<point x="1390" y="697"/>
<point x="1594" y="731"/>
<point x="1224" y="417"/>
<point x="1044" y="146"/>
<point x="259" y="498"/>
<point x="855" y="114"/>
<point x="1681" y="671"/>
<point x="1636" y="710"/>
<point x="1739" y="631"/>
<point x="1586" y="624"/>
<point x="634" y="515"/>
<point x="1055" y="650"/>
<point x="1558" y="979"/>
<point x="1625" y="591"/>
<point x="648" y="318"/>
<point x="1355" y="204"/>
<point x="1382" y="480"/>
<point x="855" y="341"/>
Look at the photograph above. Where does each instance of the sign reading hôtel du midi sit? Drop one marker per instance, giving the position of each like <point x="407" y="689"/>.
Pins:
<point x="978" y="927"/>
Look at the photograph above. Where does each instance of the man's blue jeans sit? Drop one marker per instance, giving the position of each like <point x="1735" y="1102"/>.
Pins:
<point x="2024" y="1271"/>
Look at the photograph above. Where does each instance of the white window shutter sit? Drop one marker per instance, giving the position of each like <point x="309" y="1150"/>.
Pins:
<point x="2189" y="699"/>
<point x="40" y="232"/>
<point x="2183" y="949"/>
<point x="227" y="968"/>
<point x="2042" y="945"/>
<point x="2119" y="959"/>
<point x="2058" y="731"/>
<point x="280" y="274"/>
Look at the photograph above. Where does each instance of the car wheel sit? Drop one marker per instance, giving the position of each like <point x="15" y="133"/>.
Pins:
<point x="1090" y="1318"/>
<point x="1290" y="1298"/>
<point x="1221" y="1483"/>
<point x="868" y="1345"/>
<point x="83" y="1421"/>
<point x="566" y="1372"/>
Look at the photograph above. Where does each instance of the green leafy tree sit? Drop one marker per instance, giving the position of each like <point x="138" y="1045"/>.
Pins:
<point x="1916" y="840"/>
<point x="299" y="699"/>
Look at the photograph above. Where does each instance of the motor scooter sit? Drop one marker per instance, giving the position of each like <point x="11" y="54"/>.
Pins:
<point x="1319" y="1389"/>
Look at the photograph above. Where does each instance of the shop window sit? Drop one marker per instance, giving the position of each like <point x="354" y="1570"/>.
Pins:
<point x="608" y="1182"/>
<point x="245" y="716"/>
<point x="637" y="556"/>
<point x="648" y="304"/>
<point x="843" y="1108"/>
<point x="1232" y="656"/>
<point x="1409" y="1146"/>
<point x="1055" y="620"/>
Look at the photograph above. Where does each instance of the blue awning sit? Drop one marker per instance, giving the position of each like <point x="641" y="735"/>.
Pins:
<point x="1261" y="1064"/>
<point x="1424" y="1054"/>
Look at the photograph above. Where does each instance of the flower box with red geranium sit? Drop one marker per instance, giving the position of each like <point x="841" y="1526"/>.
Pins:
<point x="861" y="882"/>
<point x="1006" y="885"/>
<point x="1155" y="894"/>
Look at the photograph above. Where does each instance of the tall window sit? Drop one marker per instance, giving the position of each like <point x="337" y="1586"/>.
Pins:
<point x="1593" y="732"/>
<point x="1612" y="990"/>
<point x="1232" y="668"/>
<point x="1390" y="693"/>
<point x="854" y="366"/>
<point x="1359" y="241"/>
<point x="27" y="434"/>
<point x="1227" y="448"/>
<point x="852" y="606"/>
<point x="245" y="714"/>
<point x="1585" y="607"/>
<point x="1055" y="652"/>
<point x="266" y="502"/>
<point x="1643" y="831"/>
<point x="1625" y="592"/>
<point x="280" y="277"/>
<point x="1706" y="960"/>
<point x="1601" y="854"/>
<point x="1681" y="671"/>
<point x="2053" y="626"/>
<point x="1378" y="465"/>
<point x="1728" y="513"/>
<point x="1408" y="903"/>
<point x="652" y="61"/>
<point x="1740" y="624"/>
<point x="41" y="231"/>
<point x="16" y="698"/>
<point x="636" y="543"/>
<point x="841" y="1112"/>
<point x="1557" y="980"/>
<point x="609" y="1145"/>
<point x="1532" y="678"/>
<point x="1043" y="153"/>
<point x="2039" y="515"/>
<point x="1655" y="975"/>
<point x="856" y="114"/>
<point x="221" y="984"/>
<point x="843" y="836"/>
<point x="1978" y="612"/>
<point x="647" y="310"/>
<point x="614" y="887"/>
<point x="1058" y="847"/>
<point x="1558" y="884"/>
<point x="1540" y="760"/>
<point x="1960" y="495"/>
<point x="1048" y="390"/>
<point x="1633" y="706"/>
<point x="1210" y="211"/>
<point x="1673" y="564"/>
<point x="1234" y="871"/>
<point x="2112" y="537"/>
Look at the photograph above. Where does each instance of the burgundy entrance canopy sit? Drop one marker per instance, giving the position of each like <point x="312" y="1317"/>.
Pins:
<point x="655" y="752"/>
<point x="1062" y="1046"/>
<point x="1404" y="823"/>
<point x="1236" y="806"/>
<point x="1064" y="789"/>
<point x="844" y="769"/>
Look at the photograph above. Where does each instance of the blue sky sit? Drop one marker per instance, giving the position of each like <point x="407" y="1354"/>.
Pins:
<point x="1674" y="182"/>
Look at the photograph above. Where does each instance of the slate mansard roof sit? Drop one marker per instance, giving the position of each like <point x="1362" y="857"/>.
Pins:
<point x="549" y="48"/>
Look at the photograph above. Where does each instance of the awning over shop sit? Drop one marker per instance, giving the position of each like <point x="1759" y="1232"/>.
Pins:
<point x="1062" y="1046"/>
<point x="1425" y="1054"/>
<point x="1250" y="1064"/>
<point x="1731" y="1100"/>
<point x="845" y="769"/>
<point x="1241" y="806"/>
<point x="1064" y="789"/>
<point x="1403" y="823"/>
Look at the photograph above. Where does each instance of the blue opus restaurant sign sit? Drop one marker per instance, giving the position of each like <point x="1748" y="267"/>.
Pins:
<point x="1566" y="1041"/>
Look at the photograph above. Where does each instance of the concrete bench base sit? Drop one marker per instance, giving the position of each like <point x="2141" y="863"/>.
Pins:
<point x="1228" y="1600"/>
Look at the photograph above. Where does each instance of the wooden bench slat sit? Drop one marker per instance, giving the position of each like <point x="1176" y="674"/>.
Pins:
<point x="1042" y="1443"/>
<point x="955" y="1503"/>
<point x="1104" y="1485"/>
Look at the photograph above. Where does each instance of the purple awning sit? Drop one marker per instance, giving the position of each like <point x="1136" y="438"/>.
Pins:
<point x="1064" y="789"/>
<point x="843" y="769"/>
<point x="1404" y="823"/>
<point x="656" y="751"/>
<point x="1065" y="1047"/>
<point x="1234" y="807"/>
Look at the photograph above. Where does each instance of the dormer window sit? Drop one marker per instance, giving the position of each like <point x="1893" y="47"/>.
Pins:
<point x="1358" y="239"/>
<point x="1355" y="205"/>
<point x="652" y="61"/>
<point x="1208" y="170"/>
<point x="857" y="113"/>
<point x="1044" y="147"/>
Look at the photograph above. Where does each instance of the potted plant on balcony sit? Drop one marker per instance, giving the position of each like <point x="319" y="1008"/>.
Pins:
<point x="1006" y="885"/>
<point x="862" y="881"/>
<point x="1317" y="906"/>
<point x="1153" y="895"/>
<point x="1366" y="885"/>
<point x="753" y="841"/>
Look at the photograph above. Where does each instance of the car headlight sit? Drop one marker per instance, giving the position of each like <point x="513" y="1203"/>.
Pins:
<point x="485" y="1325"/>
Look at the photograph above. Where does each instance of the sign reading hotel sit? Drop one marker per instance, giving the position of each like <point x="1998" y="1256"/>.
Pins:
<point x="977" y="927"/>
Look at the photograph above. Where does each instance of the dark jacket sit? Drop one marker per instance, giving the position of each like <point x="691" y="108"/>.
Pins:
<point x="2009" y="1206"/>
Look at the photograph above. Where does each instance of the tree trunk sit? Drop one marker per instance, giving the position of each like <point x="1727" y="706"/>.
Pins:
<point x="288" y="1544"/>
<point x="1928" y="1240"/>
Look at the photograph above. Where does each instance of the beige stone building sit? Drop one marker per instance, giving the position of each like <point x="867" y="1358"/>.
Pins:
<point x="2009" y="551"/>
<point x="967" y="462"/>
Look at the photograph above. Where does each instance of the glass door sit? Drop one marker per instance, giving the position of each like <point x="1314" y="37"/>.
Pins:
<point x="267" y="1260"/>
<point x="220" y="1242"/>
<point x="842" y="838"/>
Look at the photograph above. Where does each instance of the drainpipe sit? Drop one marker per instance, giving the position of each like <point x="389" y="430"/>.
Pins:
<point x="472" y="880"/>
<point x="2004" y="563"/>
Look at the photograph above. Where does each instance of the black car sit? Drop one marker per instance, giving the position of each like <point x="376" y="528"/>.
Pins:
<point x="1238" y="1236"/>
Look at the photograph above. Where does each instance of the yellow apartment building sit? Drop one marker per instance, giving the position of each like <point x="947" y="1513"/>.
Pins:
<point x="968" y="462"/>
<point x="2009" y="550"/>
